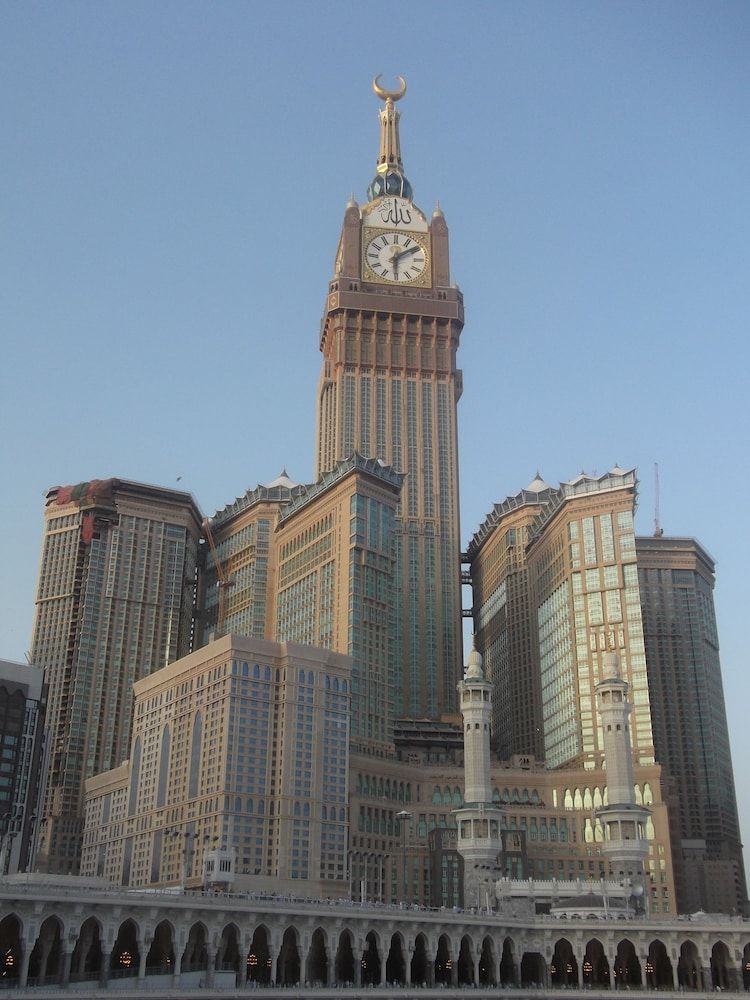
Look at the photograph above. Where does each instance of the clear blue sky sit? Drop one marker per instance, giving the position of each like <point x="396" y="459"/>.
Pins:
<point x="174" y="178"/>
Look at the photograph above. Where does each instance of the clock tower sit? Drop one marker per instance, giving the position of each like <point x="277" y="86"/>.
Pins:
<point x="388" y="389"/>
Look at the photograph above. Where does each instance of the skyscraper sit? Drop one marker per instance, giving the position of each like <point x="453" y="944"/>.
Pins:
<point x="676" y="577"/>
<point x="334" y="551"/>
<point x="388" y="389"/>
<point x="23" y="699"/>
<point x="505" y="622"/>
<point x="570" y="553"/>
<point x="240" y="748"/>
<point x="243" y="562"/>
<point x="584" y="586"/>
<point x="115" y="601"/>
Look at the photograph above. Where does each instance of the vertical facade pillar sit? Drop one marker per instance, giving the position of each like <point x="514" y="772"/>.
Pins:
<point x="734" y="978"/>
<point x="25" y="958"/>
<point x="104" y="971"/>
<point x="45" y="950"/>
<point x="274" y="950"/>
<point x="210" y="965"/>
<point x="357" y="965"/>
<point x="66" y="959"/>
<point x="142" y="954"/>
<point x="177" y="967"/>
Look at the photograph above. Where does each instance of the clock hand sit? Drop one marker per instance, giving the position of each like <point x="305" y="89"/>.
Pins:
<point x="404" y="253"/>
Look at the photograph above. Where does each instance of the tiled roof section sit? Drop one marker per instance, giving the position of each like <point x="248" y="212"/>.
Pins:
<point x="538" y="492"/>
<point x="356" y="462"/>
<point x="550" y="500"/>
<point x="615" y="479"/>
<point x="275" y="492"/>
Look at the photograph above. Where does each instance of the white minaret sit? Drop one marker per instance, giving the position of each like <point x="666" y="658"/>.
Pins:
<point x="479" y="839"/>
<point x="625" y="844"/>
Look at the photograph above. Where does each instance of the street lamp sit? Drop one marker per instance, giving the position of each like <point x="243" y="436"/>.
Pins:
<point x="402" y="818"/>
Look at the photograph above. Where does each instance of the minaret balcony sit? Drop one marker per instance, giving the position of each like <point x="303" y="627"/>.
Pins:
<point x="635" y="849"/>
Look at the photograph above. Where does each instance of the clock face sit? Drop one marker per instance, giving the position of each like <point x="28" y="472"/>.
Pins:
<point x="396" y="257"/>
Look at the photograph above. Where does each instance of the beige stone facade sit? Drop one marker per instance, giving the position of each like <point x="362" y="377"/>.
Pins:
<point x="241" y="747"/>
<point x="549" y="825"/>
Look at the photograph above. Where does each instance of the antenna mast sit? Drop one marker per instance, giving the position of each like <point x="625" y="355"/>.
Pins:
<point x="658" y="530"/>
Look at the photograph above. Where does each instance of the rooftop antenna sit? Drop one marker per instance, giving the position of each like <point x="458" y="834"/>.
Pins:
<point x="658" y="530"/>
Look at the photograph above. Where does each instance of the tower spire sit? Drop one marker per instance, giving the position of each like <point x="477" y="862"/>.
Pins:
<point x="390" y="177"/>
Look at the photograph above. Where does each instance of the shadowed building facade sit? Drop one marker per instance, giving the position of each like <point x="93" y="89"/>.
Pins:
<point x="115" y="601"/>
<point x="243" y="536"/>
<point x="334" y="583"/>
<point x="23" y="702"/>
<point x="504" y="623"/>
<point x="676" y="577"/>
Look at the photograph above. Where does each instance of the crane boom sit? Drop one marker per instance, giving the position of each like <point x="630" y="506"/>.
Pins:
<point x="223" y="581"/>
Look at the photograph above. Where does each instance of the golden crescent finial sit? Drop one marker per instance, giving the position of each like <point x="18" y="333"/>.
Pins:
<point x="386" y="95"/>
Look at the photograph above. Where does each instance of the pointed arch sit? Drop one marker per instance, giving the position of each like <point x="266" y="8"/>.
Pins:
<point x="627" y="969"/>
<point x="595" y="965"/>
<point x="722" y="971"/>
<point x="228" y="951"/>
<point x="421" y="967"/>
<point x="658" y="967"/>
<point x="195" y="955"/>
<point x="11" y="946"/>
<point x="161" y="954"/>
<point x="443" y="961"/>
<point x="465" y="971"/>
<point x="371" y="961"/>
<point x="45" y="962"/>
<point x="316" y="966"/>
<point x="395" y="965"/>
<point x="344" y="962"/>
<point x="126" y="956"/>
<point x="487" y="963"/>
<point x="288" y="963"/>
<point x="564" y="967"/>
<point x="259" y="961"/>
<point x="689" y="967"/>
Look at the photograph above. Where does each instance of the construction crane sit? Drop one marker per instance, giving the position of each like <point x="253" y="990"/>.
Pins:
<point x="658" y="530"/>
<point x="223" y="580"/>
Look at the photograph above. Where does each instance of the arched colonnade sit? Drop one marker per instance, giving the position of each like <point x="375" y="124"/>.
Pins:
<point x="55" y="944"/>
